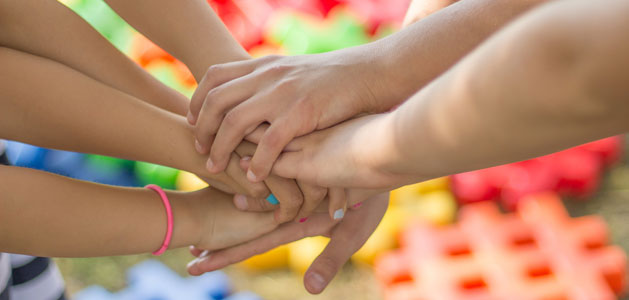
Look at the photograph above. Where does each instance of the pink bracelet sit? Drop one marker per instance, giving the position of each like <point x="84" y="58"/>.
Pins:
<point x="169" y="218"/>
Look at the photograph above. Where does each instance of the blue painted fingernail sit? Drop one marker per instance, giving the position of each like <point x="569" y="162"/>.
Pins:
<point x="271" y="199"/>
<point x="338" y="214"/>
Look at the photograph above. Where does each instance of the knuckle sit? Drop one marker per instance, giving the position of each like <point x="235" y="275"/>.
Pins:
<point x="272" y="139"/>
<point x="287" y="86"/>
<point x="258" y="191"/>
<point x="213" y="95"/>
<point x="232" y="118"/>
<point x="212" y="70"/>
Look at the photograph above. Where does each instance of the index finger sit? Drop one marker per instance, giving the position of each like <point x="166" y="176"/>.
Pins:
<point x="215" y="76"/>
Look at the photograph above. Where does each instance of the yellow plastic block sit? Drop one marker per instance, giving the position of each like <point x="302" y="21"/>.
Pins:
<point x="189" y="182"/>
<point x="303" y="252"/>
<point x="412" y="192"/>
<point x="385" y="236"/>
<point x="436" y="208"/>
<point x="270" y="260"/>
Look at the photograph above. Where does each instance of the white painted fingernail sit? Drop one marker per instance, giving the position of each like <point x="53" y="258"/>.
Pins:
<point x="339" y="214"/>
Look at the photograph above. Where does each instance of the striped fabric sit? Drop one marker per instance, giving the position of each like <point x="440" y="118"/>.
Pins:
<point x="24" y="277"/>
<point x="5" y="276"/>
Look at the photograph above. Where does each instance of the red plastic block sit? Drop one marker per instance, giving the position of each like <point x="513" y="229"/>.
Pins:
<point x="575" y="172"/>
<point x="540" y="253"/>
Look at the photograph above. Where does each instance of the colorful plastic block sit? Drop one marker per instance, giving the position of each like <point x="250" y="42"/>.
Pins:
<point x="151" y="280"/>
<point x="534" y="254"/>
<point x="303" y="252"/>
<point x="189" y="182"/>
<point x="575" y="173"/>
<point x="276" y="258"/>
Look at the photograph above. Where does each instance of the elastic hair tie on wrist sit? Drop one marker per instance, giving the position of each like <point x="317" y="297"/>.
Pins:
<point x="169" y="218"/>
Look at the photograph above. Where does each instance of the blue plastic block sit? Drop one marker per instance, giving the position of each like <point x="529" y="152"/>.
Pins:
<point x="24" y="155"/>
<point x="244" y="296"/>
<point x="94" y="293"/>
<point x="64" y="163"/>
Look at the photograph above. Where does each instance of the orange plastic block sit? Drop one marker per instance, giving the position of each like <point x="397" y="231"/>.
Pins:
<point x="538" y="253"/>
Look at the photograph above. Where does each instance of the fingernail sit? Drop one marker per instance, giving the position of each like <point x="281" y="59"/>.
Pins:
<point x="252" y="177"/>
<point x="303" y="220"/>
<point x="357" y="205"/>
<point x="272" y="199"/>
<point x="338" y="214"/>
<point x="316" y="282"/>
<point x="198" y="146"/>
<point x="246" y="158"/>
<point x="190" y="118"/>
<point x="241" y="202"/>
<point x="210" y="165"/>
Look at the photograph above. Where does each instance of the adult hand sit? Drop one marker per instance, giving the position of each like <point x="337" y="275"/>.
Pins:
<point x="296" y="95"/>
<point x="346" y="237"/>
<point x="347" y="155"/>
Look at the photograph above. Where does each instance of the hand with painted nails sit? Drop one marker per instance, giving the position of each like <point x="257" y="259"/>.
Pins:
<point x="295" y="95"/>
<point x="346" y="237"/>
<point x="339" y="199"/>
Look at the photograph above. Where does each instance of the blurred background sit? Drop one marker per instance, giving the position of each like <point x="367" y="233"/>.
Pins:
<point x="477" y="235"/>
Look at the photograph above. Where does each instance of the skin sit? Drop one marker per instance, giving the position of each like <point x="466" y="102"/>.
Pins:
<point x="204" y="43"/>
<point x="57" y="33"/>
<point x="301" y="94"/>
<point x="479" y="114"/>
<point x="99" y="220"/>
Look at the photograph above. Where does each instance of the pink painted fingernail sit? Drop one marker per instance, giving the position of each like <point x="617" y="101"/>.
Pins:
<point x="303" y="220"/>
<point x="357" y="205"/>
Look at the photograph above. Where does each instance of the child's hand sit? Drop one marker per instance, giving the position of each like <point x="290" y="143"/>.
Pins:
<point x="296" y="95"/>
<point x="223" y="225"/>
<point x="346" y="237"/>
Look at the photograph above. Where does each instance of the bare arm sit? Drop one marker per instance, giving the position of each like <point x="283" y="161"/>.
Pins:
<point x="50" y="105"/>
<point x="554" y="79"/>
<point x="189" y="30"/>
<point x="49" y="215"/>
<point x="298" y="95"/>
<point x="49" y="29"/>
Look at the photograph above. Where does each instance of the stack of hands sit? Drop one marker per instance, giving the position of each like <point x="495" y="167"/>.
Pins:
<point x="325" y="135"/>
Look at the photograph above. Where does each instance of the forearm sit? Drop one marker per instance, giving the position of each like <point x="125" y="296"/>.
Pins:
<point x="421" y="52"/>
<point x="57" y="33"/>
<point x="526" y="92"/>
<point x="49" y="215"/>
<point x="50" y="105"/>
<point x="189" y="30"/>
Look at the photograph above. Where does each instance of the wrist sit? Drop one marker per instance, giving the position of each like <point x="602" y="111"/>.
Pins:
<point x="389" y="160"/>
<point x="186" y="220"/>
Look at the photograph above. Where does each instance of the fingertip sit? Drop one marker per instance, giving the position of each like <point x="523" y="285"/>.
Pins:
<point x="240" y="201"/>
<point x="245" y="162"/>
<point x="251" y="176"/>
<point x="199" y="147"/>
<point x="315" y="283"/>
<point x="191" y="118"/>
<point x="214" y="166"/>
